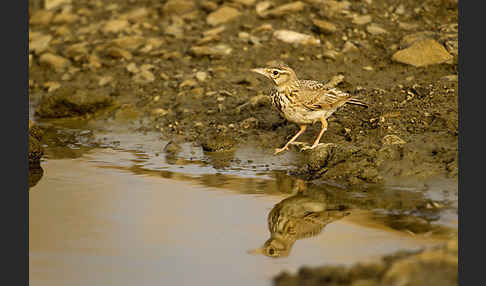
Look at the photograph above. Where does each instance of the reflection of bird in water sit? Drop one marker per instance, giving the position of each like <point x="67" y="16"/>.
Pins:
<point x="296" y="217"/>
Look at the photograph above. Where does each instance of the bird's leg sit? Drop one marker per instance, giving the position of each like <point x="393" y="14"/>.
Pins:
<point x="323" y="129"/>
<point x="302" y="129"/>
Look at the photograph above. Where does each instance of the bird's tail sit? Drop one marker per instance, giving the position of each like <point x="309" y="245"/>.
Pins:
<point x="357" y="102"/>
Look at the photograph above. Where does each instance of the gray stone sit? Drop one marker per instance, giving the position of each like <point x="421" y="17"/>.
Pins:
<point x="375" y="29"/>
<point x="219" y="50"/>
<point x="423" y="53"/>
<point x="56" y="62"/>
<point x="222" y="15"/>
<point x="293" y="37"/>
<point x="324" y="27"/>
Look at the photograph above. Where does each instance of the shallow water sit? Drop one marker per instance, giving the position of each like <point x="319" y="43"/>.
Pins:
<point x="128" y="215"/>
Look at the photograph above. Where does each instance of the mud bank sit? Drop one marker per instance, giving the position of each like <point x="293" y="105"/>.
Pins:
<point x="182" y="68"/>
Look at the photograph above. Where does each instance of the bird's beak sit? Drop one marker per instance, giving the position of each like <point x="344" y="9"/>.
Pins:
<point x="256" y="251"/>
<point x="260" y="71"/>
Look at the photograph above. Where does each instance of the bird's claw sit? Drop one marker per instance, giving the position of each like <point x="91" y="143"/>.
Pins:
<point x="307" y="148"/>
<point x="278" y="150"/>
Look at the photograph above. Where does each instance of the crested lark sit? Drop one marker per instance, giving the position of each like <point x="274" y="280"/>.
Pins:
<point x="303" y="101"/>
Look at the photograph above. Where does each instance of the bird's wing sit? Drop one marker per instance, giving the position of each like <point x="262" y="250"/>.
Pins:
<point x="315" y="95"/>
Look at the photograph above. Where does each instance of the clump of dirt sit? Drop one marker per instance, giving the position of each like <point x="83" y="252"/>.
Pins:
<point x="182" y="68"/>
<point x="35" y="147"/>
<point x="436" y="266"/>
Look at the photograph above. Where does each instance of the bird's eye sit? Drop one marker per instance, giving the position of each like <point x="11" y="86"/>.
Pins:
<point x="271" y="251"/>
<point x="275" y="72"/>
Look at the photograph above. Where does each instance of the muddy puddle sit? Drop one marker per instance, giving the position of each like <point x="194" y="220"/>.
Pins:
<point x="126" y="213"/>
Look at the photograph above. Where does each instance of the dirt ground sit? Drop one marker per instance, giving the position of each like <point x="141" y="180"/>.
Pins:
<point x="182" y="68"/>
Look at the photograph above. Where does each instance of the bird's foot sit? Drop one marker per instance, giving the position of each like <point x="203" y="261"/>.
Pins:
<point x="308" y="147"/>
<point x="278" y="150"/>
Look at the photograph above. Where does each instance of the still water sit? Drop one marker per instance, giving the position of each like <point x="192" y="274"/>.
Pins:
<point x="118" y="217"/>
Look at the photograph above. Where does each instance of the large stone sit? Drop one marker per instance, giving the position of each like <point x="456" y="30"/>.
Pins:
<point x="423" y="53"/>
<point x="178" y="7"/>
<point x="52" y="4"/>
<point x="70" y="101"/>
<point x="213" y="51"/>
<point x="362" y="19"/>
<point x="40" y="43"/>
<point x="375" y="29"/>
<point x="115" y="26"/>
<point x="293" y="37"/>
<point x="222" y="15"/>
<point x="130" y="43"/>
<point x="41" y="17"/>
<point x="35" y="147"/>
<point x="289" y="8"/>
<point x="324" y="27"/>
<point x="56" y="62"/>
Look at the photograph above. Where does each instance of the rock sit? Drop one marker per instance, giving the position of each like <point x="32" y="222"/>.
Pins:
<point x="201" y="76"/>
<point x="452" y="77"/>
<point x="132" y="68"/>
<point x="136" y="14"/>
<point x="320" y="156"/>
<point x="52" y="86"/>
<point x="56" y="62"/>
<point x="330" y="54"/>
<point x="76" y="51"/>
<point x="362" y="19"/>
<point x="144" y="75"/>
<point x="250" y="122"/>
<point x="119" y="53"/>
<point x="52" y="4"/>
<point x="411" y="39"/>
<point x="408" y="26"/>
<point x="222" y="15"/>
<point x="219" y="50"/>
<point x="218" y="143"/>
<point x="115" y="26"/>
<point x="104" y="80"/>
<point x="188" y="83"/>
<point x="175" y="30"/>
<point x="423" y="53"/>
<point x="392" y="140"/>
<point x="208" y="6"/>
<point x="172" y="148"/>
<point x="331" y="8"/>
<point x="292" y="37"/>
<point x="214" y="32"/>
<point x="41" y="17"/>
<point x="40" y="43"/>
<point x="374" y="29"/>
<point x="431" y="267"/>
<point x="349" y="47"/>
<point x="65" y="18"/>
<point x="70" y="101"/>
<point x="245" y="2"/>
<point x="262" y="7"/>
<point x="159" y="112"/>
<point x="178" y="7"/>
<point x="293" y="7"/>
<point x="35" y="147"/>
<point x="324" y="27"/>
<point x="130" y="43"/>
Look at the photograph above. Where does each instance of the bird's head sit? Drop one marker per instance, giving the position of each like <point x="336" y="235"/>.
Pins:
<point x="274" y="247"/>
<point x="280" y="74"/>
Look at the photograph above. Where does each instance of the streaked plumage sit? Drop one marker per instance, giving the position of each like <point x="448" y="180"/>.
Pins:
<point x="294" y="218"/>
<point x="303" y="101"/>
